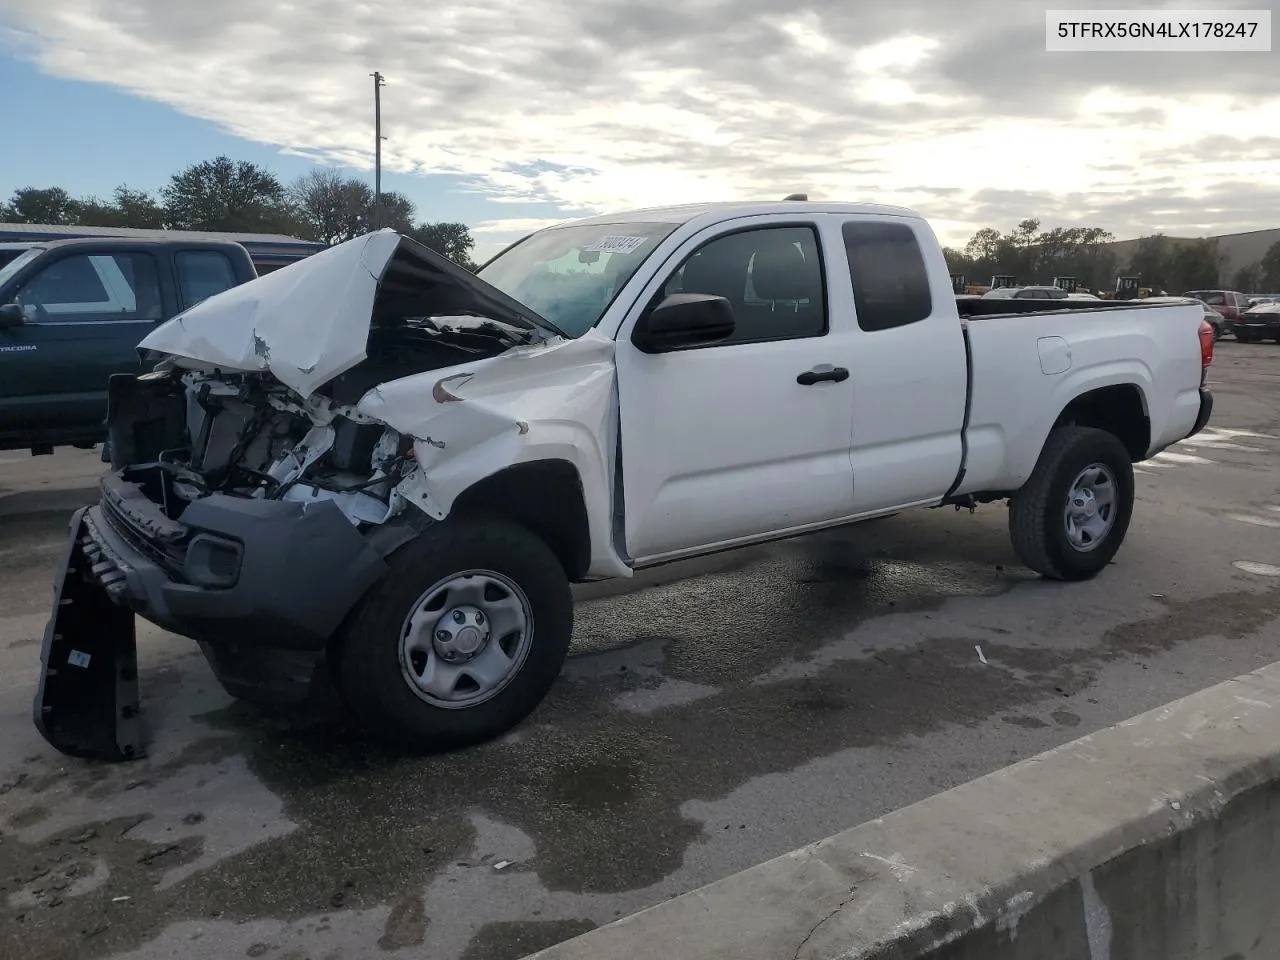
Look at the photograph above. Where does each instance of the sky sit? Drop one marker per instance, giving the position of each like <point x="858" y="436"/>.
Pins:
<point x="512" y="114"/>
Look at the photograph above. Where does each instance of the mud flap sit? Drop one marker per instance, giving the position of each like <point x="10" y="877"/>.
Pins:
<point x="87" y="703"/>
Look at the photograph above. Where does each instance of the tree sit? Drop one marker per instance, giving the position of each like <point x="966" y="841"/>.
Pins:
<point x="1248" y="278"/>
<point x="397" y="212"/>
<point x="1270" y="268"/>
<point x="139" y="209"/>
<point x="225" y="195"/>
<point x="38" y="205"/>
<point x="338" y="208"/>
<point x="1152" y="260"/>
<point x="984" y="245"/>
<point x="1194" y="265"/>
<point x="92" y="212"/>
<point x="1096" y="258"/>
<point x="453" y="240"/>
<point x="1033" y="255"/>
<point x="957" y="262"/>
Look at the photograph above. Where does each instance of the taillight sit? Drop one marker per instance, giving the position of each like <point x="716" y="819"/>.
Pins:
<point x="1206" y="349"/>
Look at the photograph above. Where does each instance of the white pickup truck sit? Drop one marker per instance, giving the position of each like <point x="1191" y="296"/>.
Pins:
<point x="375" y="472"/>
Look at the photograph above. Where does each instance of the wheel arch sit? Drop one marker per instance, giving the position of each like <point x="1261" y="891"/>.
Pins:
<point x="545" y="496"/>
<point x="1119" y="409"/>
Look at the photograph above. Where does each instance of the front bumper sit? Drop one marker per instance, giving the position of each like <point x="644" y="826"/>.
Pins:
<point x="287" y="573"/>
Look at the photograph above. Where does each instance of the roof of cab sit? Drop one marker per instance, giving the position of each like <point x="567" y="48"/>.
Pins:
<point x="733" y="209"/>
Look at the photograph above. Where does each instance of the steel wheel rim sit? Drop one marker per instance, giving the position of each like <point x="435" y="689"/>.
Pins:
<point x="465" y="639"/>
<point x="1090" y="512"/>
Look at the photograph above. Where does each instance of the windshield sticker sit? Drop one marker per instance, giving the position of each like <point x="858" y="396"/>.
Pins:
<point x="622" y="245"/>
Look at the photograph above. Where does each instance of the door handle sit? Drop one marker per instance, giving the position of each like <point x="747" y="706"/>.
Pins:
<point x="823" y="373"/>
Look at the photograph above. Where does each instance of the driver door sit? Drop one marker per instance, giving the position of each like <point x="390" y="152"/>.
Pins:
<point x="727" y="442"/>
<point x="84" y="314"/>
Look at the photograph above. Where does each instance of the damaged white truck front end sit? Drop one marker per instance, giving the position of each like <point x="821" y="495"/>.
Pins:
<point x="416" y="436"/>
<point x="277" y="489"/>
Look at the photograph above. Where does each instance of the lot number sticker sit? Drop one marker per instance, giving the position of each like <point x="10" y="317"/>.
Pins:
<point x="622" y="245"/>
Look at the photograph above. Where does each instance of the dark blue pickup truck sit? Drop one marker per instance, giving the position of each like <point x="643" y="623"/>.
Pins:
<point x="72" y="313"/>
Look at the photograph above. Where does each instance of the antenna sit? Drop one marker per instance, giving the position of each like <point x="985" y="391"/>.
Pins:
<point x="795" y="196"/>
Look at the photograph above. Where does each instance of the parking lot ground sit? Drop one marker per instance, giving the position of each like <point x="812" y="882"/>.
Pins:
<point x="714" y="714"/>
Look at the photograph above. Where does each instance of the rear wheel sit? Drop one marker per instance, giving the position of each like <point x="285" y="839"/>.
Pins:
<point x="1069" y="519"/>
<point x="461" y="639"/>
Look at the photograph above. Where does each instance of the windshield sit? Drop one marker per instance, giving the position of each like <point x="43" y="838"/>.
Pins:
<point x="13" y="266"/>
<point x="571" y="274"/>
<point x="1209" y="296"/>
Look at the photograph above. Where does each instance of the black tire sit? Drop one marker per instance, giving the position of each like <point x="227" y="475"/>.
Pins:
<point x="368" y="660"/>
<point x="1037" y="523"/>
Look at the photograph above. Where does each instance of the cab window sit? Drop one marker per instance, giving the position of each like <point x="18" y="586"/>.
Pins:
<point x="93" y="287"/>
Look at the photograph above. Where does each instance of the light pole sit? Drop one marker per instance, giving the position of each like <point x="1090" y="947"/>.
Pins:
<point x="378" y="84"/>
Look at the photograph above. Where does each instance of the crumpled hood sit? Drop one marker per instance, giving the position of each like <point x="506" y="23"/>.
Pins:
<point x="309" y="322"/>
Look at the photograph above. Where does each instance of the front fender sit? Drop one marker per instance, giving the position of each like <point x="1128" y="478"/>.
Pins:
<point x="552" y="402"/>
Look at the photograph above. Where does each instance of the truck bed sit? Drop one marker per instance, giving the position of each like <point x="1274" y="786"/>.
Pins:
<point x="1027" y="365"/>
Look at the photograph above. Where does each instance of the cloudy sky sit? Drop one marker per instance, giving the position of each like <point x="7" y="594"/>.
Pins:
<point x="512" y="113"/>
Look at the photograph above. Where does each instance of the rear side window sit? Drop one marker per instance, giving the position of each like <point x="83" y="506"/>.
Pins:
<point x="203" y="273"/>
<point x="890" y="282"/>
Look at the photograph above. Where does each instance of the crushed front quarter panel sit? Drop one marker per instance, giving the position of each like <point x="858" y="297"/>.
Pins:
<point x="552" y="401"/>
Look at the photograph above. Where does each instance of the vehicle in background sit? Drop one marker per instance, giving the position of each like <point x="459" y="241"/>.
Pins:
<point x="1261" y="322"/>
<point x="268" y="251"/>
<point x="1229" y="303"/>
<point x="12" y="250"/>
<point x="72" y="313"/>
<point x="1026" y="293"/>
<point x="1258" y="298"/>
<point x="1212" y="316"/>
<point x="381" y="472"/>
<point x="1083" y="296"/>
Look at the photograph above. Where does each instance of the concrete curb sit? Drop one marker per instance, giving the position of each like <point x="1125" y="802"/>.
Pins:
<point x="1126" y="825"/>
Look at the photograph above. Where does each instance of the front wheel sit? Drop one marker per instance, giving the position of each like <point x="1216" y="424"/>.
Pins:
<point x="461" y="639"/>
<point x="1069" y="519"/>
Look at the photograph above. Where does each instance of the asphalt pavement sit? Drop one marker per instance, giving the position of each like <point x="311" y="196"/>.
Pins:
<point x="714" y="714"/>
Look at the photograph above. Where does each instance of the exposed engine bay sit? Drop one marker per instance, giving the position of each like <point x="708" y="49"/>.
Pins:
<point x="182" y="435"/>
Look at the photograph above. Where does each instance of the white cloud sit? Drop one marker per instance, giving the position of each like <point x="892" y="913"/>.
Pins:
<point x="953" y="108"/>
<point x="896" y="54"/>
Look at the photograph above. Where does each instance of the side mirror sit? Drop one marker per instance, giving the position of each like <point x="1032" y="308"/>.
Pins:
<point x="11" y="315"/>
<point x="683" y="320"/>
